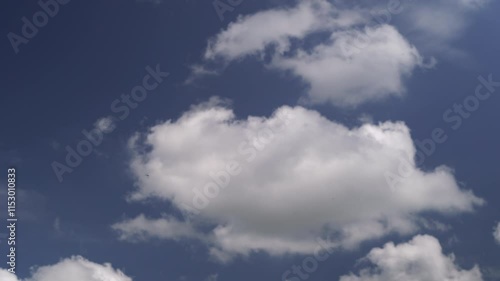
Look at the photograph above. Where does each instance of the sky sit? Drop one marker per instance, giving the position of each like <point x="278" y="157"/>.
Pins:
<point x="188" y="140"/>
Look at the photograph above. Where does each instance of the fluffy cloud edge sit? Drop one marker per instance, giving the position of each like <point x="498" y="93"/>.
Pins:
<point x="252" y="34"/>
<point x="79" y="268"/>
<point x="142" y="228"/>
<point x="421" y="258"/>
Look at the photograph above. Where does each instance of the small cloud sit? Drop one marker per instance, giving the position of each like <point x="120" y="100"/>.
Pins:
<point x="433" y="225"/>
<point x="142" y="228"/>
<point x="199" y="71"/>
<point x="105" y="124"/>
<point x="496" y="233"/>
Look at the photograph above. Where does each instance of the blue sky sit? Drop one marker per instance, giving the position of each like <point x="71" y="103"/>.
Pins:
<point x="258" y="128"/>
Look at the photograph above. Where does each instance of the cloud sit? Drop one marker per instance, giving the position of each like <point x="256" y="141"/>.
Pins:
<point x="105" y="124"/>
<point x="419" y="259"/>
<point x="355" y="66"/>
<point x="78" y="268"/>
<point x="353" y="63"/>
<point x="346" y="54"/>
<point x="142" y="228"/>
<point x="496" y="233"/>
<point x="276" y="183"/>
<point x="251" y="34"/>
<point x="441" y="20"/>
<point x="7" y="276"/>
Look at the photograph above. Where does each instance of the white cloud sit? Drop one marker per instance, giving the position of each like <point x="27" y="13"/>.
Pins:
<point x="349" y="66"/>
<point x="419" y="259"/>
<point x="142" y="228"/>
<point x="355" y="66"/>
<point x="252" y="34"/>
<point x="299" y="176"/>
<point x="77" y="268"/>
<point x="356" y="56"/>
<point x="496" y="233"/>
<point x="7" y="276"/>
<point x="105" y="124"/>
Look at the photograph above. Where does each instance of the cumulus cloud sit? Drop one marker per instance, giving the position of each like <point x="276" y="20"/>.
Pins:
<point x="252" y="34"/>
<point x="77" y="268"/>
<point x="276" y="183"/>
<point x="355" y="66"/>
<point x="7" y="276"/>
<point x="346" y="54"/>
<point x="352" y="64"/>
<point x="419" y="259"/>
<point x="496" y="233"/>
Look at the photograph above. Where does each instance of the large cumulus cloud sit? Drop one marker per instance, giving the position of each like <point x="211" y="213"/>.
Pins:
<point x="276" y="183"/>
